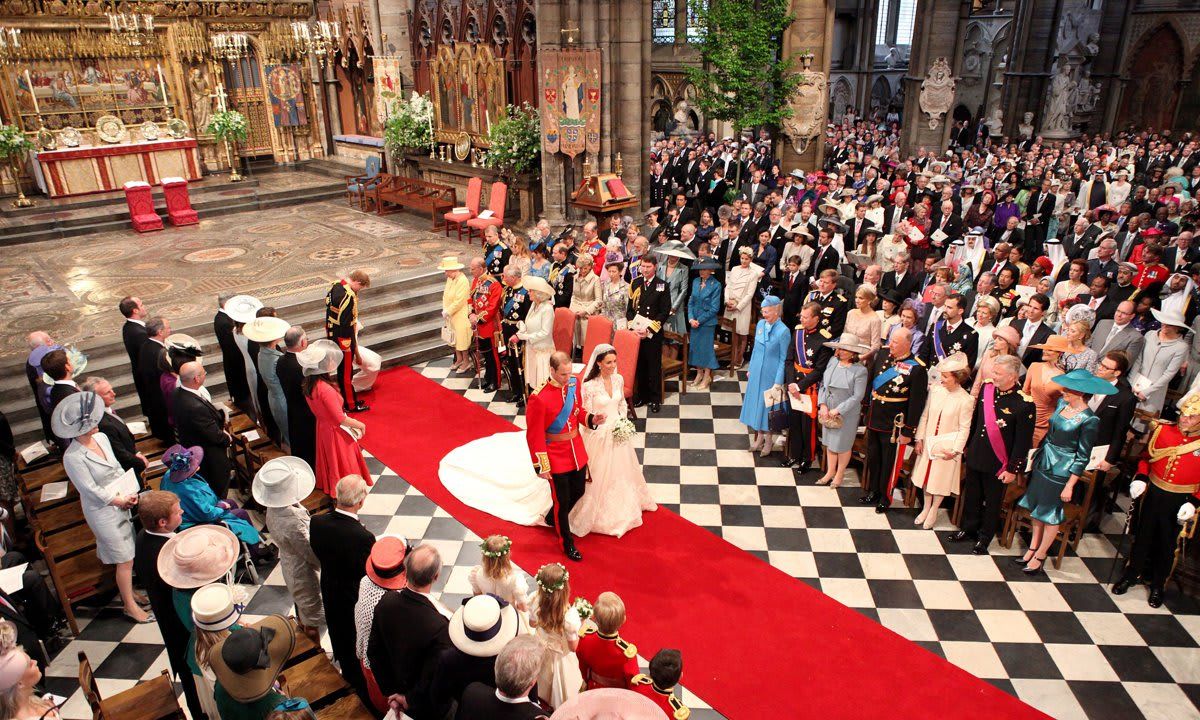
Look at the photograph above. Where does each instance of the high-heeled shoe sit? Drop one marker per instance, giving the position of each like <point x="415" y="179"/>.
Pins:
<point x="919" y="519"/>
<point x="825" y="480"/>
<point x="1041" y="568"/>
<point x="930" y="521"/>
<point x="837" y="482"/>
<point x="756" y="444"/>
<point x="1022" y="560"/>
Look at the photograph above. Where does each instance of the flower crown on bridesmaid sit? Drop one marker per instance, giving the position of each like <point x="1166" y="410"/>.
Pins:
<point x="562" y="582"/>
<point x="499" y="552"/>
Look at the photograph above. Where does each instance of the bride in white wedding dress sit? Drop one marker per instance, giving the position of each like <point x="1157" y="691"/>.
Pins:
<point x="495" y="474"/>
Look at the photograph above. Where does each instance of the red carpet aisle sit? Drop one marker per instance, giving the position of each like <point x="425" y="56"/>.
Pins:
<point x="756" y="642"/>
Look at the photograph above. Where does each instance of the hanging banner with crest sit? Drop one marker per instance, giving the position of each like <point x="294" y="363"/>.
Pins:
<point x="570" y="87"/>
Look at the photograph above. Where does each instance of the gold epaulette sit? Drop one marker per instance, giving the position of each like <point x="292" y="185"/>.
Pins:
<point x="587" y="629"/>
<point x="628" y="648"/>
<point x="1025" y="396"/>
<point x="641" y="679"/>
<point x="825" y="332"/>
<point x="679" y="711"/>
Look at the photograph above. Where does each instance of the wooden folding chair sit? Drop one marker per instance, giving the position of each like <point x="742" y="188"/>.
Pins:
<point x="148" y="700"/>
<point x="1071" y="528"/>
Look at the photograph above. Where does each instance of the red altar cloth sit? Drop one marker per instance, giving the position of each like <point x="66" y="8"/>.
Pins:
<point x="104" y="168"/>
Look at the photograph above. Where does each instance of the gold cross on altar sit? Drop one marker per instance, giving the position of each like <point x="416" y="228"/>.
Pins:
<point x="570" y="32"/>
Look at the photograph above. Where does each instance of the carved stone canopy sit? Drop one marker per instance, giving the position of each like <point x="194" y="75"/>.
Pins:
<point x="937" y="92"/>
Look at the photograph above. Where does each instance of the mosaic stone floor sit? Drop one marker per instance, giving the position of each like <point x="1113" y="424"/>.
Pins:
<point x="71" y="287"/>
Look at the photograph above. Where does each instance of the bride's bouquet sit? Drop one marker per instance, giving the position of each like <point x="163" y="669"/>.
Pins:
<point x="583" y="607"/>
<point x="623" y="430"/>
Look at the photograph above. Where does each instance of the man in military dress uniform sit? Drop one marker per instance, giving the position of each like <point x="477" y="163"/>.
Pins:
<point x="514" y="306"/>
<point x="1001" y="436"/>
<point x="802" y="375"/>
<point x="1166" y="490"/>
<point x="485" y="311"/>
<point x="951" y="335"/>
<point x="341" y="326"/>
<point x="562" y="276"/>
<point x="833" y="302"/>
<point x="649" y="298"/>
<point x="552" y="423"/>
<point x="899" y="385"/>
<point x="666" y="667"/>
<point x="495" y="253"/>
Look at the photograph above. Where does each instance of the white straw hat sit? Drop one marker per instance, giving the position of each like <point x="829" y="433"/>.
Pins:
<point x="283" y="481"/>
<point x="214" y="608"/>
<point x="197" y="556"/>
<point x="76" y="415"/>
<point x="265" y="329"/>
<point x="242" y="308"/>
<point x="483" y="626"/>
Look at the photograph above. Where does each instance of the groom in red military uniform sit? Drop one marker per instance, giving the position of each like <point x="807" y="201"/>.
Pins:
<point x="553" y="418"/>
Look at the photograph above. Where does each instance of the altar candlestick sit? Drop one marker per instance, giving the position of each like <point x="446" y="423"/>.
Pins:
<point x="488" y="116"/>
<point x="162" y="85"/>
<point x="32" y="94"/>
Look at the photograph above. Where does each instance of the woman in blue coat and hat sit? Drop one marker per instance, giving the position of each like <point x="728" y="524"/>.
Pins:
<point x="766" y="372"/>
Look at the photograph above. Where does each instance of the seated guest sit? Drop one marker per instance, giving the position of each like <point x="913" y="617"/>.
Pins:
<point x="517" y="668"/>
<point x="495" y="575"/>
<point x="411" y="631"/>
<point x="58" y="368"/>
<point x="18" y="675"/>
<point x="606" y="660"/>
<point x="160" y="515"/>
<point x="280" y="486"/>
<point x="123" y="443"/>
<point x="201" y="424"/>
<point x="479" y="630"/>
<point x="93" y="469"/>
<point x="215" y="616"/>
<point x="246" y="665"/>
<point x="342" y="546"/>
<point x="666" y="667"/>
<point x="385" y="571"/>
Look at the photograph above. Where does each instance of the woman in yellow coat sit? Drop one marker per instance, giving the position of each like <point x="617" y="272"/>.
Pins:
<point x="941" y="436"/>
<point x="455" y="312"/>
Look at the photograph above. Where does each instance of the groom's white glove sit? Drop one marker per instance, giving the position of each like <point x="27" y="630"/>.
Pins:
<point x="1186" y="512"/>
<point x="1136" y="488"/>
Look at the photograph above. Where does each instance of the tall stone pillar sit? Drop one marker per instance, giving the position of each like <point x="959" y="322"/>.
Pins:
<point x="811" y="32"/>
<point x="936" y="34"/>
<point x="392" y="16"/>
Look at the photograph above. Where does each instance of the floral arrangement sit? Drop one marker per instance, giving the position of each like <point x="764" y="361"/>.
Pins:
<point x="228" y="125"/>
<point x="409" y="127"/>
<point x="551" y="589"/>
<point x="623" y="430"/>
<point x="496" y="553"/>
<point x="583" y="607"/>
<point x="13" y="142"/>
<point x="516" y="141"/>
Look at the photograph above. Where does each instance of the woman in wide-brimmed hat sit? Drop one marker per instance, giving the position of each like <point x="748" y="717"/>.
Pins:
<point x="456" y="311"/>
<point x="703" y="311"/>
<point x="537" y="332"/>
<point x="95" y="473"/>
<point x="941" y="435"/>
<point x="1061" y="460"/>
<point x="243" y="309"/>
<point x="246" y="665"/>
<point x="839" y="403"/>
<point x="741" y="282"/>
<point x="1164" y="353"/>
<point x="385" y="572"/>
<point x="1040" y="385"/>
<point x="268" y="332"/>
<point x="338" y="453"/>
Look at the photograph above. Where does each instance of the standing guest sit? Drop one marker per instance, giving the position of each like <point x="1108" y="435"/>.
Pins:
<point x="556" y="624"/>
<point x="385" y="571"/>
<point x="134" y="335"/>
<point x="259" y="389"/>
<point x="605" y="659"/>
<point x="301" y="423"/>
<point x="1119" y="334"/>
<point x="666" y="668"/>
<point x="411" y="631"/>
<point x="269" y="332"/>
<point x="536" y="333"/>
<point x="703" y="309"/>
<point x="514" y="306"/>
<point x="675" y="273"/>
<point x="161" y="515"/>
<point x="215" y="616"/>
<point x="833" y="302"/>
<point x="93" y="469"/>
<point x="942" y="436"/>
<point x="181" y="349"/>
<point x="1033" y="329"/>
<point x="795" y="288"/>
<point x="57" y="366"/>
<point x="741" y="284"/>
<point x="40" y="344"/>
<point x="1115" y="413"/>
<point x="1164" y="353"/>
<point x="1004" y="342"/>
<point x="243" y="309"/>
<point x="484" y="318"/>
<point x="862" y="321"/>
<point x="810" y="356"/>
<point x="766" y="372"/>
<point x="614" y="293"/>
<point x="1040" y="385"/>
<point x="479" y="630"/>
<point x="842" y="387"/>
<point x="517" y="668"/>
<point x="585" y="296"/>
<point x="231" y="356"/>
<point x="151" y="366"/>
<point x="987" y="310"/>
<point x="338" y="453"/>
<point x="455" y="312"/>
<point x="246" y="665"/>
<point x="1061" y="460"/>
<point x="341" y="325"/>
<point x="1077" y="354"/>
<point x="9" y="491"/>
<point x="1001" y="435"/>
<point x="650" y="299"/>
<point x="562" y="276"/>
<point x="280" y="486"/>
<point x="342" y="546"/>
<point x="202" y="424"/>
<point x="899" y="386"/>
<point x="495" y="575"/>
<point x="1068" y="291"/>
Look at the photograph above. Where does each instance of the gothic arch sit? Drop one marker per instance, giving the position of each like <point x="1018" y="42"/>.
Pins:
<point x="1188" y="114"/>
<point x="1154" y="70"/>
<point x="840" y="99"/>
<point x="881" y="94"/>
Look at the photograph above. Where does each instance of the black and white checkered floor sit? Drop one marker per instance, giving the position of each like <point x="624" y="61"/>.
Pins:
<point x="1060" y="642"/>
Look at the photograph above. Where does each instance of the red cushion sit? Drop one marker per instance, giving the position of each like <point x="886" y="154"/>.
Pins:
<point x="457" y="217"/>
<point x="484" y="222"/>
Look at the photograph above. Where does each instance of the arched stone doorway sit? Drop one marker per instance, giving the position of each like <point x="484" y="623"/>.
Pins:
<point x="1188" y="115"/>
<point x="881" y="95"/>
<point x="1152" y="93"/>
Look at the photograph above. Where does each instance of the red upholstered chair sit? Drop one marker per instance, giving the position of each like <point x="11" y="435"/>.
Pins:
<point x="564" y="329"/>
<point x="140" y="199"/>
<point x="459" y="219"/>
<point x="627" y="344"/>
<point x="179" y="206"/>
<point x="476" y="225"/>
<point x="599" y="330"/>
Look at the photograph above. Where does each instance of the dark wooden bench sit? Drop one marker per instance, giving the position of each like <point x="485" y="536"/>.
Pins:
<point x="415" y="194"/>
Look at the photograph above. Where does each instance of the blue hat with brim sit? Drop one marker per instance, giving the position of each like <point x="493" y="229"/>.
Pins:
<point x="1082" y="381"/>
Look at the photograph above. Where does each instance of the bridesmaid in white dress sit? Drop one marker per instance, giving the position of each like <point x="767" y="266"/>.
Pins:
<point x="556" y="624"/>
<point x="614" y="500"/>
<point x="496" y="574"/>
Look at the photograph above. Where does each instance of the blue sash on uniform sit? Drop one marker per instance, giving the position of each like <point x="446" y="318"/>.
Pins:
<point x="560" y="420"/>
<point x="491" y="253"/>
<point x="937" y="339"/>
<point x="508" y="304"/>
<point x="801" y="353"/>
<point x="886" y="376"/>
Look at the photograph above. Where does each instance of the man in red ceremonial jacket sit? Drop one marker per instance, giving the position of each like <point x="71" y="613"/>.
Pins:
<point x="485" y="314"/>
<point x="666" y="667"/>
<point x="552" y="419"/>
<point x="341" y="326"/>
<point x="1168" y="485"/>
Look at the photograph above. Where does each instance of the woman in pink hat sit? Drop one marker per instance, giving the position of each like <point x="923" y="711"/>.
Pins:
<point x="18" y="675"/>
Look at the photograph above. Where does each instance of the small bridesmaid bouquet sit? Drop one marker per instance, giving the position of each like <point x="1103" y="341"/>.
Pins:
<point x="583" y="607"/>
<point x="623" y="430"/>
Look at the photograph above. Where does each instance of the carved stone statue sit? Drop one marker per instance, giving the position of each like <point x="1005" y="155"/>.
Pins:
<point x="1025" y="129"/>
<point x="683" y="123"/>
<point x="995" y="120"/>
<point x="808" y="106"/>
<point x="1060" y="102"/>
<point x="937" y="92"/>
<point x="201" y="92"/>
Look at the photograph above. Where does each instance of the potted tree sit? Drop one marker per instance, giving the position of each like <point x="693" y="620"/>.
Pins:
<point x="14" y="146"/>
<point x="229" y="127"/>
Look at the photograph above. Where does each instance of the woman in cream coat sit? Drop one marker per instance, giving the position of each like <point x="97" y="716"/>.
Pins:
<point x="537" y="332"/>
<point x="741" y="282"/>
<point x="94" y="471"/>
<point x="585" y="295"/>
<point x="456" y="313"/>
<point x="947" y="416"/>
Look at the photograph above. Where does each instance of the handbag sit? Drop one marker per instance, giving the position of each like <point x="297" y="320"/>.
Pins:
<point x="779" y="413"/>
<point x="447" y="334"/>
<point x="833" y="422"/>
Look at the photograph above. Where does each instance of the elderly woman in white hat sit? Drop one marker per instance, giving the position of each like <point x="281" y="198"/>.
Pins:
<point x="338" y="453"/>
<point x="216" y="613"/>
<point x="537" y="332"/>
<point x="243" y="309"/>
<point x="456" y="312"/>
<point x="268" y="332"/>
<point x="280" y="486"/>
<point x="103" y="493"/>
<point x="941" y="436"/>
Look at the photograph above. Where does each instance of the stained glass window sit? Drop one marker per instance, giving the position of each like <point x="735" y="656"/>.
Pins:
<point x="904" y="22"/>
<point x="695" y="31"/>
<point x="881" y="22"/>
<point x="663" y="21"/>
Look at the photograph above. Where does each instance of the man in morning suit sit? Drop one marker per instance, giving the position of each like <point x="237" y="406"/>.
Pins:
<point x="801" y="376"/>
<point x="341" y="326"/>
<point x="1032" y="329"/>
<point x="133" y="333"/>
<point x="899" y="386"/>
<point x="151" y="365"/>
<point x="901" y="281"/>
<point x="649" y="298"/>
<point x="1001" y="435"/>
<point x="1119" y="334"/>
<point x="342" y="546"/>
<point x="517" y="668"/>
<point x="232" y="359"/>
<point x="795" y="288"/>
<point x="950" y="335"/>
<point x="199" y="422"/>
<point x="57" y="366"/>
<point x="124" y="444"/>
<point x="553" y="420"/>
<point x="161" y="515"/>
<point x="302" y="424"/>
<point x="1116" y="414"/>
<point x="486" y="291"/>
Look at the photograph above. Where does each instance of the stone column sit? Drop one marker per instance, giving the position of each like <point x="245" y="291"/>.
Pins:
<point x="812" y="31"/>
<point x="936" y="33"/>
<point x="392" y="16"/>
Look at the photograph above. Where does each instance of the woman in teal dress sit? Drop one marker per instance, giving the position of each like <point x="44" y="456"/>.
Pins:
<point x="200" y="504"/>
<point x="703" y="307"/>
<point x="1061" y="460"/>
<point x="676" y="275"/>
<point x="766" y="371"/>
